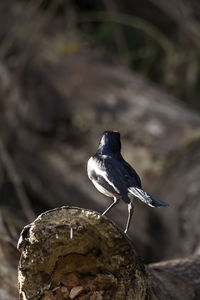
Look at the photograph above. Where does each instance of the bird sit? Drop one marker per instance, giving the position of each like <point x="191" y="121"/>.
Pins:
<point x="116" y="178"/>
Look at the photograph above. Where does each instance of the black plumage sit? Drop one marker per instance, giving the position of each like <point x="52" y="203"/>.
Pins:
<point x="114" y="177"/>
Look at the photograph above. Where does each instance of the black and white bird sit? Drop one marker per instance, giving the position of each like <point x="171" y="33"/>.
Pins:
<point x="114" y="177"/>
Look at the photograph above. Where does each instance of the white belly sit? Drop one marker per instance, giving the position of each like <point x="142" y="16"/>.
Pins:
<point x="102" y="190"/>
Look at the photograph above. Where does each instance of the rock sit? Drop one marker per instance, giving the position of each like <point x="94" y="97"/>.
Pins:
<point x="75" y="291"/>
<point x="99" y="257"/>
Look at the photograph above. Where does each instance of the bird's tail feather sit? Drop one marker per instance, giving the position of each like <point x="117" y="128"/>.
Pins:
<point x="157" y="202"/>
<point x="146" y="198"/>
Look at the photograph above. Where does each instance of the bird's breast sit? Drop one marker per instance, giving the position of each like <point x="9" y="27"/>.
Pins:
<point x="102" y="190"/>
<point x="93" y="167"/>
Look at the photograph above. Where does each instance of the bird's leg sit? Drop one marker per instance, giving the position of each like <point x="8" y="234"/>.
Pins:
<point x="130" y="213"/>
<point x="113" y="204"/>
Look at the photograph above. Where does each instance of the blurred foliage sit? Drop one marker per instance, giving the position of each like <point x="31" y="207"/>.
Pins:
<point x="158" y="39"/>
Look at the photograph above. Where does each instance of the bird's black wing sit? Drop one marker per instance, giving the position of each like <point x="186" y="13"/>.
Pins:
<point x="135" y="188"/>
<point x="131" y="176"/>
<point x="109" y="174"/>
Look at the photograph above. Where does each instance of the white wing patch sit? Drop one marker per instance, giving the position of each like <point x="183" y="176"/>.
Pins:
<point x="93" y="167"/>
<point x="101" y="189"/>
<point x="142" y="195"/>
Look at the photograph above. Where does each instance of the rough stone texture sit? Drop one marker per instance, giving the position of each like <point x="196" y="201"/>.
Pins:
<point x="176" y="279"/>
<point x="79" y="250"/>
<point x="72" y="253"/>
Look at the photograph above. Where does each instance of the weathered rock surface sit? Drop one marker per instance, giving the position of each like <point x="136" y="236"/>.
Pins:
<point x="72" y="253"/>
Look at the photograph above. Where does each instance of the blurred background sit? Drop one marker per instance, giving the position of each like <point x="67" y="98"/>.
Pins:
<point x="70" y="70"/>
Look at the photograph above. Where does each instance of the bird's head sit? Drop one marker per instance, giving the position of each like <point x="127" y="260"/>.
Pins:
<point x="110" y="142"/>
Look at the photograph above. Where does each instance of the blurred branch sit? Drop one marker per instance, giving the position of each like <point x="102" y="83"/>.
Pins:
<point x="29" y="32"/>
<point x="17" y="29"/>
<point x="111" y="6"/>
<point x="133" y="22"/>
<point x="182" y="13"/>
<point x="16" y="181"/>
<point x="32" y="31"/>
